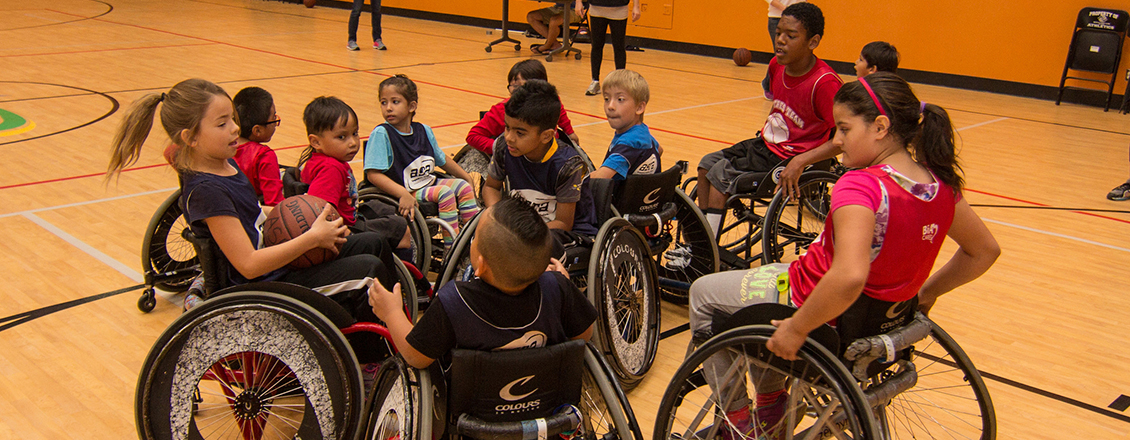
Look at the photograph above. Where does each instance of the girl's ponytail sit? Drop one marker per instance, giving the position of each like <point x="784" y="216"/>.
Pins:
<point x="131" y="134"/>
<point x="935" y="147"/>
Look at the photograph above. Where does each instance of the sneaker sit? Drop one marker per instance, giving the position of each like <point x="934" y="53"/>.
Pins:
<point x="594" y="89"/>
<point x="369" y="375"/>
<point x="677" y="258"/>
<point x="379" y="45"/>
<point x="770" y="421"/>
<point x="1120" y="193"/>
<point x="191" y="300"/>
<point x="352" y="45"/>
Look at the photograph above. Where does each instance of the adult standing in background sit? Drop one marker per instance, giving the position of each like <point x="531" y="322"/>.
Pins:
<point x="775" y="9"/>
<point x="355" y="17"/>
<point x="608" y="16"/>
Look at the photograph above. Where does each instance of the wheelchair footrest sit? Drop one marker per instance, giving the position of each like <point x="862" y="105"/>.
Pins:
<point x="566" y="420"/>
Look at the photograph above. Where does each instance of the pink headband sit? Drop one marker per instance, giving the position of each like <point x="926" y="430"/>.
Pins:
<point x="873" y="97"/>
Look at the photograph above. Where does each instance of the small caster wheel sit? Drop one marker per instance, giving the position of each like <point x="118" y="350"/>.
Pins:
<point x="577" y="56"/>
<point x="488" y="49"/>
<point x="147" y="301"/>
<point x="518" y="46"/>
<point x="549" y="58"/>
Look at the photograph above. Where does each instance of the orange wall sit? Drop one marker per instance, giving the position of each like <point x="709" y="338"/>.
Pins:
<point x="1011" y="40"/>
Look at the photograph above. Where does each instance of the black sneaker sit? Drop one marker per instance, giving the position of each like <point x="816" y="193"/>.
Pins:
<point x="1120" y="193"/>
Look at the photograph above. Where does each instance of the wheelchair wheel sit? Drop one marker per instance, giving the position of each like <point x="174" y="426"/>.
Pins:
<point x="417" y="230"/>
<point x="791" y="226"/>
<point x="622" y="284"/>
<point x="458" y="257"/>
<point x="397" y="402"/>
<point x="605" y="409"/>
<point x="249" y="364"/>
<point x="692" y="252"/>
<point x="950" y="399"/>
<point x="167" y="256"/>
<point x="740" y="231"/>
<point x="823" y="398"/>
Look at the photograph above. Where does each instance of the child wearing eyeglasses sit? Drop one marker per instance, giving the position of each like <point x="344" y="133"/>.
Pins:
<point x="257" y="123"/>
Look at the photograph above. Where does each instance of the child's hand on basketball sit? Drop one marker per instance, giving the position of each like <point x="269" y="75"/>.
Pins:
<point x="786" y="341"/>
<point x="383" y="302"/>
<point x="407" y="205"/>
<point x="328" y="234"/>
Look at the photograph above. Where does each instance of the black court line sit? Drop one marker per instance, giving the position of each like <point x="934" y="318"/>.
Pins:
<point x="991" y="376"/>
<point x="109" y="9"/>
<point x="114" y="105"/>
<point x="21" y="318"/>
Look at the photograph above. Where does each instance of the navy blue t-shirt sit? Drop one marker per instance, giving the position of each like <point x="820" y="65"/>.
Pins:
<point x="549" y="311"/>
<point x="561" y="177"/>
<point x="205" y="195"/>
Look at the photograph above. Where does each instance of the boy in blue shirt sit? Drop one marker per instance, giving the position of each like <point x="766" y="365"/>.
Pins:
<point x="546" y="171"/>
<point x="513" y="302"/>
<point x="633" y="149"/>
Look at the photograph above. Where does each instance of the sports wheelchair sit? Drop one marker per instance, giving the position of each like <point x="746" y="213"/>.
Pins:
<point x="565" y="389"/>
<point x="885" y="372"/>
<point x="259" y="360"/>
<point x="760" y="226"/>
<point x="618" y="270"/>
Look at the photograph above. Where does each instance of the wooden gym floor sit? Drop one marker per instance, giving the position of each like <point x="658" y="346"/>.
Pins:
<point x="1047" y="322"/>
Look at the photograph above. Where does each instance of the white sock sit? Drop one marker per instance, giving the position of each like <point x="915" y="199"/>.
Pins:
<point x="715" y="221"/>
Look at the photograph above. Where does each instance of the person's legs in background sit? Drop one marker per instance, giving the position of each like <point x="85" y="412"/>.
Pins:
<point x="772" y="46"/>
<point x="619" y="30"/>
<point x="354" y="19"/>
<point x="598" y="27"/>
<point x="377" y="43"/>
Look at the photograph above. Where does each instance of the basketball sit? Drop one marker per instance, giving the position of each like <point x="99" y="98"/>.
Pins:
<point x="742" y="56"/>
<point x="290" y="219"/>
<point x="309" y="3"/>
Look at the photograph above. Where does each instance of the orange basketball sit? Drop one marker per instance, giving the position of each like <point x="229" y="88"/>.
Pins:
<point x="742" y="56"/>
<point x="291" y="218"/>
<point x="309" y="3"/>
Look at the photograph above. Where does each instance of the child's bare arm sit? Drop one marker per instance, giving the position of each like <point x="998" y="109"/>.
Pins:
<point x="229" y="234"/>
<point x="389" y="307"/>
<point x="564" y="219"/>
<point x="603" y="173"/>
<point x="978" y="251"/>
<point x="405" y="199"/>
<point x="492" y="191"/>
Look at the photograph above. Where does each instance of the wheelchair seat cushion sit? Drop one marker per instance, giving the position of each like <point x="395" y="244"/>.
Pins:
<point x="323" y="304"/>
<point x="513" y="385"/>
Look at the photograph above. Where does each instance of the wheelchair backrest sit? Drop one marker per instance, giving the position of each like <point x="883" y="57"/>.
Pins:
<point x="515" y="385"/>
<point x="213" y="264"/>
<point x="646" y="193"/>
<point x="292" y="182"/>
<point x="763" y="184"/>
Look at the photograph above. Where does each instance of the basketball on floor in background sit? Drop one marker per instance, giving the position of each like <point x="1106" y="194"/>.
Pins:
<point x="309" y="3"/>
<point x="291" y="218"/>
<point x="742" y="56"/>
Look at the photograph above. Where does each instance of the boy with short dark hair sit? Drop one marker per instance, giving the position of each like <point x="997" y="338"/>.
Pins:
<point x="545" y="170"/>
<point x="258" y="120"/>
<point x="877" y="56"/>
<point x="493" y="123"/>
<point x="633" y="150"/>
<point x="513" y="302"/>
<point x="798" y="126"/>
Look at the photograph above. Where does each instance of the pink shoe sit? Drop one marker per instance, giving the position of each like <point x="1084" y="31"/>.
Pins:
<point x="770" y="420"/>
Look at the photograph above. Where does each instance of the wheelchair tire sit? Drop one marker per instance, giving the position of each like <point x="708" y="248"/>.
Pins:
<point x="396" y="401"/>
<point x="167" y="256"/>
<point x="949" y="400"/>
<point x="606" y="412"/>
<point x="417" y="229"/>
<point x="820" y="389"/>
<point x="458" y="257"/>
<point x="692" y="234"/>
<point x="265" y="366"/>
<point x="790" y="227"/>
<point x="622" y="285"/>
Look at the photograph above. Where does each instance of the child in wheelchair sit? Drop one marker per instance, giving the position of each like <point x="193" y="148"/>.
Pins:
<point x="513" y="302"/>
<point x="633" y="149"/>
<point x="402" y="155"/>
<point x="886" y="225"/>
<point x="331" y="126"/>
<point x="539" y="168"/>
<point x="220" y="204"/>
<point x="258" y="121"/>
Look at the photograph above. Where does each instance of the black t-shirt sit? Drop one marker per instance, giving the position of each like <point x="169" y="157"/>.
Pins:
<point x="475" y="315"/>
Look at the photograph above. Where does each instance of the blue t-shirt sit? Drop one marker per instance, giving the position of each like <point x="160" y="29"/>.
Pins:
<point x="407" y="158"/>
<point x="205" y="195"/>
<point x="560" y="177"/>
<point x="633" y="152"/>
